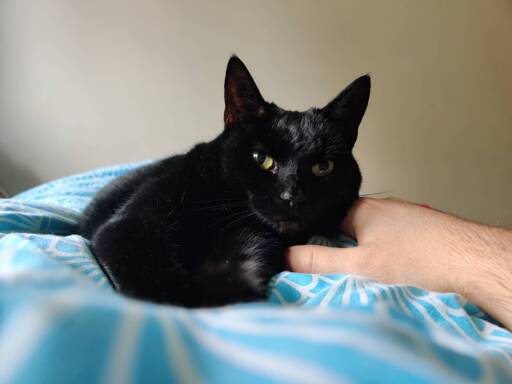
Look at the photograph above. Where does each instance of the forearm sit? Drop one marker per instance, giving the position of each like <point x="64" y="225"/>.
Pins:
<point x="486" y="277"/>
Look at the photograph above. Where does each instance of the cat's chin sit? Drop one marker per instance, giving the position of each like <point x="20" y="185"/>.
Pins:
<point x="288" y="227"/>
<point x="291" y="229"/>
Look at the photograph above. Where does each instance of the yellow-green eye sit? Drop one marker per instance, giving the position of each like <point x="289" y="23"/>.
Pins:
<point x="263" y="159"/>
<point x="323" y="168"/>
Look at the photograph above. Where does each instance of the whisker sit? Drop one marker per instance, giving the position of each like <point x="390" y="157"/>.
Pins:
<point x="224" y="206"/>
<point x="234" y="215"/>
<point x="169" y="214"/>
<point x="227" y="217"/>
<point x="246" y="216"/>
<point x="165" y="198"/>
<point x="215" y="201"/>
<point x="375" y="193"/>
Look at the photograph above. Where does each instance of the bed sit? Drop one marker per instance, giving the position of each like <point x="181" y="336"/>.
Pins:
<point x="61" y="322"/>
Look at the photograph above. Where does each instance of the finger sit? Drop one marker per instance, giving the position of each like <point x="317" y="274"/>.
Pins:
<point x="320" y="259"/>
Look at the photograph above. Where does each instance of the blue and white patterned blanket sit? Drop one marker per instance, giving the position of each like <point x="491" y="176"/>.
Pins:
<point x="60" y="322"/>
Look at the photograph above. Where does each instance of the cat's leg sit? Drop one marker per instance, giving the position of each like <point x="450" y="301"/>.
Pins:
<point x="141" y="259"/>
<point x="239" y="267"/>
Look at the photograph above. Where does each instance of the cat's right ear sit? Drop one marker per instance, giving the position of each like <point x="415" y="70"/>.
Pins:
<point x="243" y="100"/>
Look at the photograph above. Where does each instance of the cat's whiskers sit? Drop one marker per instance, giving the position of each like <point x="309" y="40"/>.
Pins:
<point x="233" y="216"/>
<point x="374" y="193"/>
<point x="228" y="217"/>
<point x="223" y="206"/>
<point x="244" y="216"/>
<point x="169" y="214"/>
<point x="230" y="199"/>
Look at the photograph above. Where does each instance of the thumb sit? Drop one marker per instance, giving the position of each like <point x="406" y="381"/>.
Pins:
<point x="320" y="259"/>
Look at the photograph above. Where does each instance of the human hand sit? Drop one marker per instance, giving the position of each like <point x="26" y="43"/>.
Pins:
<point x="399" y="242"/>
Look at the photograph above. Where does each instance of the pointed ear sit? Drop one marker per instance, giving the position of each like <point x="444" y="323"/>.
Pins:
<point x="347" y="109"/>
<point x="241" y="95"/>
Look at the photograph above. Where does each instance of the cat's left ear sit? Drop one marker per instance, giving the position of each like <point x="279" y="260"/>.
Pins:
<point x="241" y="95"/>
<point x="348" y="108"/>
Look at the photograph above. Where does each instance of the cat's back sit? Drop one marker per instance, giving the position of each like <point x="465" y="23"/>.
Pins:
<point x="134" y="185"/>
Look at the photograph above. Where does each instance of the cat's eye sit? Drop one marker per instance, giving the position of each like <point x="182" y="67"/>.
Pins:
<point x="263" y="160"/>
<point x="323" y="168"/>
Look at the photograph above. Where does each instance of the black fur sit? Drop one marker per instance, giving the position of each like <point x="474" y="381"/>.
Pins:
<point x="210" y="227"/>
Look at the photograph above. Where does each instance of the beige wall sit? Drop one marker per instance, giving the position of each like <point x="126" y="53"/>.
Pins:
<point x="90" y="83"/>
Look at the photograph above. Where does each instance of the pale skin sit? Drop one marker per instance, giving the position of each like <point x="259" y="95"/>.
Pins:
<point x="403" y="243"/>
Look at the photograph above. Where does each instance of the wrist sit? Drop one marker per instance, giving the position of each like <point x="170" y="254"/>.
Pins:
<point x="487" y="273"/>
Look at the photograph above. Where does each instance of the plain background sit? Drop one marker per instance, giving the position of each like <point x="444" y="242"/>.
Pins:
<point x="85" y="84"/>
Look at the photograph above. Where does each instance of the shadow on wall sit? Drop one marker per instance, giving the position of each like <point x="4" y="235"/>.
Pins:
<point x="15" y="177"/>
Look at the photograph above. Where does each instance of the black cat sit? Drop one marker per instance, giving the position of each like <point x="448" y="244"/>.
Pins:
<point x="210" y="227"/>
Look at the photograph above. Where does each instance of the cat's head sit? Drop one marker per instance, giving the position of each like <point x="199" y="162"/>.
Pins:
<point x="296" y="168"/>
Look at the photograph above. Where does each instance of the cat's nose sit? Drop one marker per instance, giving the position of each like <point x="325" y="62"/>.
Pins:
<point x="293" y="199"/>
<point x="285" y="195"/>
